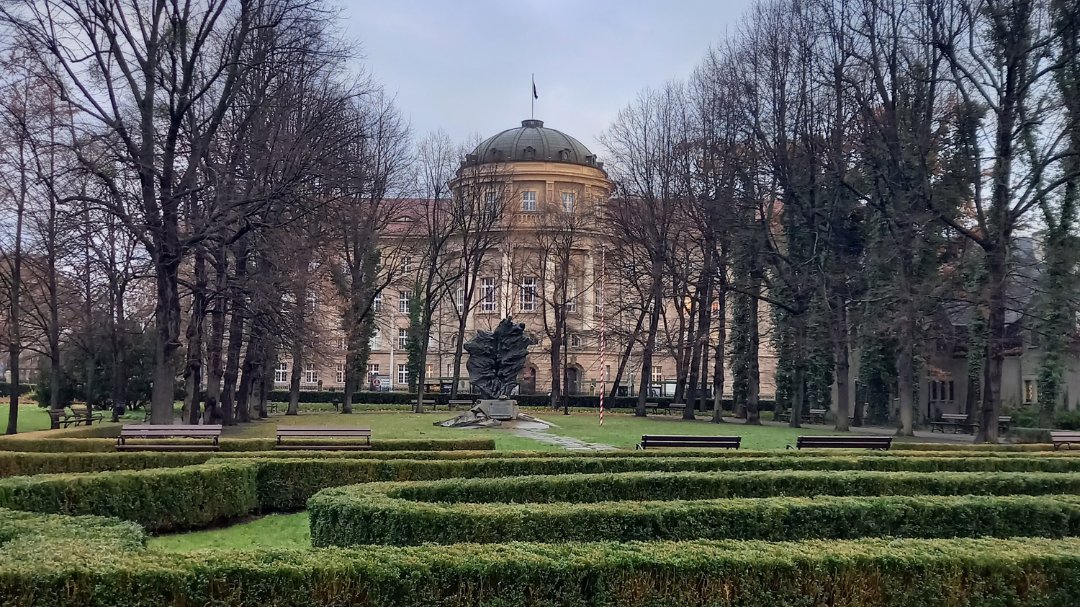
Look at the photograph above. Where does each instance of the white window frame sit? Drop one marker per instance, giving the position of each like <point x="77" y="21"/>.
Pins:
<point x="657" y="372"/>
<point x="403" y="338"/>
<point x="571" y="298"/>
<point x="528" y="294"/>
<point x="373" y="343"/>
<point x="568" y="199"/>
<point x="403" y="302"/>
<point x="311" y="373"/>
<point x="376" y="303"/>
<point x="403" y="374"/>
<point x="340" y="374"/>
<point x="406" y="264"/>
<point x="575" y="340"/>
<point x="281" y="373"/>
<point x="488" y="299"/>
<point x="528" y="201"/>
<point x="491" y="199"/>
<point x="373" y="368"/>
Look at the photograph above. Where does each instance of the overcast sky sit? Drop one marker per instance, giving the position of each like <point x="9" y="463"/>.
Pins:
<point x="464" y="65"/>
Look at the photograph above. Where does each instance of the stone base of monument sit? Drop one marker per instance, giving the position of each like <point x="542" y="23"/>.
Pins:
<point x="493" y="414"/>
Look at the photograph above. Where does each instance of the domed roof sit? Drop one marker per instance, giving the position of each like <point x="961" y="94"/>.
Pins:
<point x="532" y="142"/>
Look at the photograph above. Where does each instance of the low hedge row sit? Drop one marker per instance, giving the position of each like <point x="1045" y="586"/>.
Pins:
<point x="374" y="514"/>
<point x="159" y="500"/>
<point x="199" y="495"/>
<point x="861" y="573"/>
<point x="712" y="485"/>
<point x="1003" y="447"/>
<point x="106" y="445"/>
<point x="19" y="464"/>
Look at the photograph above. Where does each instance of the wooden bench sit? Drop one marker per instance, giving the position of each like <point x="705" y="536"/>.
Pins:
<point x="956" y="421"/>
<point x="70" y="417"/>
<point x="453" y="404"/>
<point x="655" y="408"/>
<point x="676" y="440"/>
<point x="843" y="442"/>
<point x="1062" y="438"/>
<point x="284" y="432"/>
<point x="785" y="416"/>
<point x="816" y="416"/>
<point x="680" y="407"/>
<point x="161" y="432"/>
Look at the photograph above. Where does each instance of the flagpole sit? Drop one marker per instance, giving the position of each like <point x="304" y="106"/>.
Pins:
<point x="532" y="99"/>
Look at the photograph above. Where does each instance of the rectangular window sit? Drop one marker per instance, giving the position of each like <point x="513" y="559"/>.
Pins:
<point x="313" y="302"/>
<point x="311" y="374"/>
<point x="487" y="294"/>
<point x="952" y="386"/>
<point x="377" y="303"/>
<point x="403" y="374"/>
<point x="459" y="299"/>
<point x="598" y="300"/>
<point x="575" y="340"/>
<point x="281" y="373"/>
<point x="406" y="264"/>
<point x="1031" y="394"/>
<point x="657" y="374"/>
<point x="491" y="201"/>
<point x="607" y="372"/>
<point x="568" y="202"/>
<point x="403" y="302"/>
<point x="403" y="338"/>
<point x="571" y="298"/>
<point x="528" y="294"/>
<point x="528" y="202"/>
<point x="449" y="369"/>
<point x="340" y="376"/>
<point x="374" y="340"/>
<point x="373" y="368"/>
<point x="933" y="390"/>
<point x="429" y="370"/>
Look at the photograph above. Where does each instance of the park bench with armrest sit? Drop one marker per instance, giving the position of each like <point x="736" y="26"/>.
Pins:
<point x="157" y="433"/>
<point x="70" y="416"/>
<point x="1066" y="439"/>
<point x="843" y="442"/>
<point x="676" y="440"/>
<point x="305" y="432"/>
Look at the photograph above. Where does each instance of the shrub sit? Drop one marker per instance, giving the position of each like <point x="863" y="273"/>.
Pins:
<point x="862" y="573"/>
<point x="375" y="514"/>
<point x="161" y="499"/>
<point x="970" y="447"/>
<point x="712" y="485"/>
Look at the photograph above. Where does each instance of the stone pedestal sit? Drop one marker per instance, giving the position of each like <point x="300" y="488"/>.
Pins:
<point x="499" y="409"/>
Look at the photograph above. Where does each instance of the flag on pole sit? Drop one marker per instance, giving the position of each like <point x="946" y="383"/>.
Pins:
<point x="535" y="96"/>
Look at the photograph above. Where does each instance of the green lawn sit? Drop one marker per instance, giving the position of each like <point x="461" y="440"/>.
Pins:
<point x="271" y="531"/>
<point x="623" y="430"/>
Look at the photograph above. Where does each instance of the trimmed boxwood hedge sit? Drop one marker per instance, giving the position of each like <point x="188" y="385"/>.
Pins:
<point x="160" y="499"/>
<point x="645" y="486"/>
<point x="377" y="514"/>
<point x="861" y="573"/>
<point x="106" y="445"/>
<point x="25" y="463"/>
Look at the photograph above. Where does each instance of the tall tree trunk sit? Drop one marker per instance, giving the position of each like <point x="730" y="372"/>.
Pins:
<point x="459" y="348"/>
<point x="753" y="374"/>
<point x="657" y="291"/>
<point x="237" y="313"/>
<point x="627" y="351"/>
<point x="843" y="366"/>
<point x="905" y="377"/>
<point x="196" y="322"/>
<point x="995" y="344"/>
<point x="213" y="413"/>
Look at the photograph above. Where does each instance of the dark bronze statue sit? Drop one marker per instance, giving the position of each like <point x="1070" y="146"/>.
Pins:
<point x="496" y="359"/>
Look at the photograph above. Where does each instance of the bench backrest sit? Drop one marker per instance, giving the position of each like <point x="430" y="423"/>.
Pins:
<point x="682" y="440"/>
<point x="874" y="442"/>
<point x="816" y="411"/>
<point x="1004" y="419"/>
<point x="322" y="432"/>
<point x="1065" y="436"/>
<point x="170" y="431"/>
<point x="953" y="417"/>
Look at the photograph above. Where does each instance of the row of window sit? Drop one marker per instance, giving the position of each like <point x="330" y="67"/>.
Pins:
<point x="529" y="201"/>
<point x="311" y="373"/>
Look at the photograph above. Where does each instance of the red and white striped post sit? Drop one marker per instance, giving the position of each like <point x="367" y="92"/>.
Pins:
<point x="603" y="367"/>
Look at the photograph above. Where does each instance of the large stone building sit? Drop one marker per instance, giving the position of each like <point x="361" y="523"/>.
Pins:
<point x="553" y="190"/>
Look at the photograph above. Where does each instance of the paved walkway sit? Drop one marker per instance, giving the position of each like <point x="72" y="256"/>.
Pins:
<point x="570" y="444"/>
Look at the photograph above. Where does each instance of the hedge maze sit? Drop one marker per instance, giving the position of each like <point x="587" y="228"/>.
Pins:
<point x="463" y="526"/>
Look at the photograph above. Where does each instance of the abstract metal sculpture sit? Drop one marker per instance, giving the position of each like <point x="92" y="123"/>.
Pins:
<point x="496" y="358"/>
